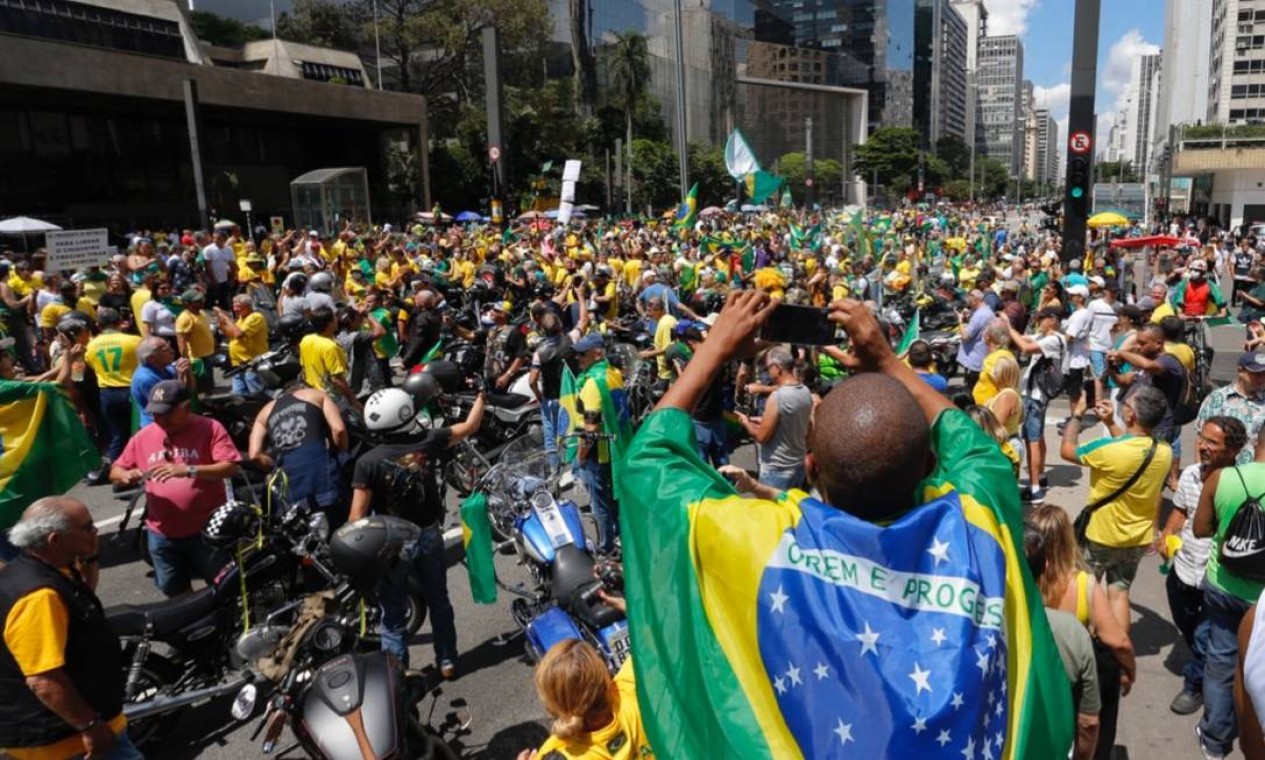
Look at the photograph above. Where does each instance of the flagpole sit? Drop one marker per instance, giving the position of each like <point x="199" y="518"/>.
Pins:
<point x="683" y="137"/>
<point x="377" y="44"/>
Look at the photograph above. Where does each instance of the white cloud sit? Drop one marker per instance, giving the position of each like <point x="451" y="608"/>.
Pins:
<point x="1113" y="81"/>
<point x="1009" y="16"/>
<point x="1055" y="98"/>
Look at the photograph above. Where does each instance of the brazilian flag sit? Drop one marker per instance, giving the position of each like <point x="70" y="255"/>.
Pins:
<point x="688" y="210"/>
<point x="791" y="629"/>
<point x="476" y="538"/>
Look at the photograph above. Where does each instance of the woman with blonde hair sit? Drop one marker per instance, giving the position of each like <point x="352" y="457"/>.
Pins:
<point x="1006" y="405"/>
<point x="595" y="717"/>
<point x="1066" y="585"/>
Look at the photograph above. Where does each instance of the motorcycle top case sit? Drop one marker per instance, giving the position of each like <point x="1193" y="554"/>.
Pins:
<point x="356" y="699"/>
<point x="545" y="531"/>
<point x="551" y="627"/>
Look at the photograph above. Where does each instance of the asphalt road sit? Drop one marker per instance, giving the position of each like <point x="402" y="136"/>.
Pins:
<point x="496" y="679"/>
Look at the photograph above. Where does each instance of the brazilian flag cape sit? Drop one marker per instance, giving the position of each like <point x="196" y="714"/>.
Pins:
<point x="614" y="407"/>
<point x="44" y="448"/>
<point x="791" y="629"/>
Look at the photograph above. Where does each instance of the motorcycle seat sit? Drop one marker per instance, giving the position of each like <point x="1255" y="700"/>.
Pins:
<point x="166" y="617"/>
<point x="598" y="614"/>
<point x="507" y="400"/>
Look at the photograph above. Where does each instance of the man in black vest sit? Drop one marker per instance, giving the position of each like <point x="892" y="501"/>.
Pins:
<point x="61" y="669"/>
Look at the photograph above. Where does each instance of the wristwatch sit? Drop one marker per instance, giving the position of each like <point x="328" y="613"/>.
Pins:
<point x="85" y="728"/>
<point x="193" y="471"/>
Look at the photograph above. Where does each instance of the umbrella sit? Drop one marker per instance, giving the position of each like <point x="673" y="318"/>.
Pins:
<point x="552" y="213"/>
<point x="1108" y="219"/>
<point x="586" y="207"/>
<point x="531" y="215"/>
<point x="25" y="225"/>
<point x="711" y="211"/>
<point x="1139" y="242"/>
<point x="225" y="224"/>
<point x="429" y="218"/>
<point x="467" y="216"/>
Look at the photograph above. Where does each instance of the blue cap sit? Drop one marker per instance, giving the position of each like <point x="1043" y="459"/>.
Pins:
<point x="589" y="342"/>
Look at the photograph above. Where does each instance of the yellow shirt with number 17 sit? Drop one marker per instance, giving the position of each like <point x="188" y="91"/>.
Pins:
<point x="112" y="355"/>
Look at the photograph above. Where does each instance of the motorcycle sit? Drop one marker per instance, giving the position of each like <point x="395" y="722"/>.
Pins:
<point x="276" y="369"/>
<point x="549" y="537"/>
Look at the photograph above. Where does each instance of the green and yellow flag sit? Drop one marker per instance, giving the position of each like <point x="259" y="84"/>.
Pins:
<point x="688" y="210"/>
<point x="760" y="185"/>
<point x="44" y="448"/>
<point x="476" y="539"/>
<point x="607" y="394"/>
<point x="789" y="629"/>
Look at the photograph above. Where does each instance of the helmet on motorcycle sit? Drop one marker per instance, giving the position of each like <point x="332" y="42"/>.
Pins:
<point x="293" y="327"/>
<point x="447" y="373"/>
<point x="231" y="522"/>
<point x="423" y="387"/>
<point x="366" y="550"/>
<point x="390" y="410"/>
<point x="322" y="282"/>
<point x="296" y="283"/>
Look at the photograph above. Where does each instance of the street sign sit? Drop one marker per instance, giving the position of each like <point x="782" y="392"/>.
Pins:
<point x="277" y="223"/>
<point x="1080" y="142"/>
<point x="494" y="153"/>
<point x="76" y="249"/>
<point x="808" y="181"/>
<point x="244" y="205"/>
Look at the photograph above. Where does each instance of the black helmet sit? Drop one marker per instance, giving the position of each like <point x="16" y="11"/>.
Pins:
<point x="231" y="522"/>
<point x="293" y="327"/>
<point x="423" y="387"/>
<point x="73" y="324"/>
<point x="367" y="549"/>
<point x="447" y="373"/>
<point x="296" y="282"/>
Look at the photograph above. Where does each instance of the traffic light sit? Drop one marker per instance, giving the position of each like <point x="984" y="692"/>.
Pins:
<point x="1078" y="181"/>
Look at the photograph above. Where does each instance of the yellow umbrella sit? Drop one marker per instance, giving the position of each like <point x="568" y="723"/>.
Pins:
<point x="1108" y="219"/>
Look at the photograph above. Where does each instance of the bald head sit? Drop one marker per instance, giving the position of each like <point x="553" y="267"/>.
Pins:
<point x="870" y="446"/>
<point x="46" y="517"/>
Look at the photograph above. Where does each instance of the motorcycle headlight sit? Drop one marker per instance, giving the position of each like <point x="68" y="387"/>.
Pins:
<point x="541" y="499"/>
<point x="319" y="525"/>
<point x="328" y="636"/>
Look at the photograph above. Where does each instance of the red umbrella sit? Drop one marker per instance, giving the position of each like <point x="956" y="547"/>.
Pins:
<point x="1152" y="240"/>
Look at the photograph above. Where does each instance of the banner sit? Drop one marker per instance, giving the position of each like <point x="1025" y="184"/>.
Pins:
<point x="76" y="249"/>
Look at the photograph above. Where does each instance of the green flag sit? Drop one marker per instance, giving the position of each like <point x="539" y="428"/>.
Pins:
<point x="911" y="333"/>
<point x="760" y="185"/>
<point x="476" y="538"/>
<point x="787" y="200"/>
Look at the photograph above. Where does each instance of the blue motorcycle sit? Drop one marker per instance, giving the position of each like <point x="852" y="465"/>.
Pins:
<point x="547" y="533"/>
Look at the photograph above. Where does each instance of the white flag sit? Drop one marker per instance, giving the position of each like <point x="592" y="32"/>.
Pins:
<point x="739" y="159"/>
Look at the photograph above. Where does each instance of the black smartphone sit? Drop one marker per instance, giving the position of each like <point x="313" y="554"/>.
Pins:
<point x="800" y="325"/>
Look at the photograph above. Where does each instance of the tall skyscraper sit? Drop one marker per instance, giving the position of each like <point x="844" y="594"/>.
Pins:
<point x="1183" y="97"/>
<point x="940" y="102"/>
<point x="1048" y="168"/>
<point x="1237" y="60"/>
<point x="1139" y="135"/>
<point x="1000" y="83"/>
<point x="975" y="15"/>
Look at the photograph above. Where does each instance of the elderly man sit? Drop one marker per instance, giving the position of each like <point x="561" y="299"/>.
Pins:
<point x="1243" y="399"/>
<point x="247" y="340"/>
<point x="183" y="459"/>
<point x="156" y="361"/>
<point x="972" y="350"/>
<point x="61" y="667"/>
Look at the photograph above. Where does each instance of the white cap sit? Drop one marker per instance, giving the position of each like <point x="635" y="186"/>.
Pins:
<point x="1078" y="290"/>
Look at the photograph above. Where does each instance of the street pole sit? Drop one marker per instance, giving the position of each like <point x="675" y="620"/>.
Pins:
<point x="808" y="159"/>
<point x="377" y="44"/>
<point x="682" y="133"/>
<point x="972" y="95"/>
<point x="1080" y="119"/>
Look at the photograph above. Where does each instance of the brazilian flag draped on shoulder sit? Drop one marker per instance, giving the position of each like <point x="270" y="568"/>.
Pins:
<point x="769" y="629"/>
<point x="607" y="394"/>
<point x="44" y="448"/>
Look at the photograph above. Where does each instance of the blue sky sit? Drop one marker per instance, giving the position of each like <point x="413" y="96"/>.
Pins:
<point x="1127" y="28"/>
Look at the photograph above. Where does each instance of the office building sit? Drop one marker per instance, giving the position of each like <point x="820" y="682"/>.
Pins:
<point x="940" y="101"/>
<point x="103" y="103"/>
<point x="1140" y="112"/>
<point x="975" y="16"/>
<point x="1236" y="85"/>
<point x="1183" y="97"/>
<point x="1041" y="148"/>
<point x="1000" y="83"/>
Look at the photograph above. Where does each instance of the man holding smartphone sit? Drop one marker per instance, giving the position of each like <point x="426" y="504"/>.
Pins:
<point x="781" y="434"/>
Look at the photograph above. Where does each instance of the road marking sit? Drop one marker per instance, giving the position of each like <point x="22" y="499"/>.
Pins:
<point x="109" y="521"/>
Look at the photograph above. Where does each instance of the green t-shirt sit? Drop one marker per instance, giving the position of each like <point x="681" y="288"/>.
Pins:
<point x="386" y="346"/>
<point x="1230" y="494"/>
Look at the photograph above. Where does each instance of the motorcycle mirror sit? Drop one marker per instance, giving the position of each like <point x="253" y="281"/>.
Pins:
<point x="244" y="704"/>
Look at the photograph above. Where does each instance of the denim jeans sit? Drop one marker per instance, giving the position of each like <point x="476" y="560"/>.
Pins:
<point x="116" y="418"/>
<point x="121" y="749"/>
<point x="550" y="411"/>
<point x="177" y="561"/>
<point x="782" y="480"/>
<point x="427" y="562"/>
<point x="247" y="383"/>
<point x="1219" y="723"/>
<point x="713" y="441"/>
<point x="1186" y="603"/>
<point x="597" y="479"/>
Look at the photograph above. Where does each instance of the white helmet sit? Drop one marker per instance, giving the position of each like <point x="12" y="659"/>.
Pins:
<point x="390" y="410"/>
<point x="322" y="282"/>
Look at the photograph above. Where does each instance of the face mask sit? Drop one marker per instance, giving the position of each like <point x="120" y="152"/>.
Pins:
<point x="1196" y="275"/>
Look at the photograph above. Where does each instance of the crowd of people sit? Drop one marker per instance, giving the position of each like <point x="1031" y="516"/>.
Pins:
<point x="144" y="341"/>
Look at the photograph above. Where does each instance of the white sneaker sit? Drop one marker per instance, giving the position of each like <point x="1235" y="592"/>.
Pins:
<point x="1208" y="754"/>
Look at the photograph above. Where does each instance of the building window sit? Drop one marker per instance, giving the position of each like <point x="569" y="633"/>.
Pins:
<point x="322" y="72"/>
<point x="81" y="24"/>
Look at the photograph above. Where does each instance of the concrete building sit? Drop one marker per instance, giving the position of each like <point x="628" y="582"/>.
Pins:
<point x="1000" y="82"/>
<point x="1141" y="110"/>
<point x="1236" y="85"/>
<point x="1183" y="88"/>
<point x="940" y="99"/>
<point x="105" y="103"/>
<point x="975" y="15"/>
<point x="1049" y="168"/>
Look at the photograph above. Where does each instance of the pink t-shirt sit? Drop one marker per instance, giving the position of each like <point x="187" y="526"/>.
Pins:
<point x="179" y="507"/>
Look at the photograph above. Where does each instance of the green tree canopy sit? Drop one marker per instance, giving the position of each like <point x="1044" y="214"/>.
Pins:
<point x="218" y="30"/>
<point x="890" y="156"/>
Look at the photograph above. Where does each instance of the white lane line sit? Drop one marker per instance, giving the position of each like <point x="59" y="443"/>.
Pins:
<point x="109" y="521"/>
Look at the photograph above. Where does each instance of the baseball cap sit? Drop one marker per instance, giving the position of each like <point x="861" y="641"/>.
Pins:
<point x="589" y="342"/>
<point x="165" y="396"/>
<point x="193" y="295"/>
<point x="1253" y="361"/>
<point x="1078" y="290"/>
<point x="1097" y="281"/>
<point x="1146" y="303"/>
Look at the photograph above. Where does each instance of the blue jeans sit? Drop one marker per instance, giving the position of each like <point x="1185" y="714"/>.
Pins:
<point x="713" y="441"/>
<point x="121" y="749"/>
<point x="1219" y="723"/>
<point x="116" y="416"/>
<point x="782" y="480"/>
<point x="597" y="479"/>
<point x="1186" y="603"/>
<point x="1033" y="427"/>
<point x="426" y="560"/>
<point x="177" y="561"/>
<point x="550" y="411"/>
<point x="247" y="383"/>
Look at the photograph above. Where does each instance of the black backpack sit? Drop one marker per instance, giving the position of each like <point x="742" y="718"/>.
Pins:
<point x="1047" y="375"/>
<point x="1188" y="401"/>
<point x="1243" y="546"/>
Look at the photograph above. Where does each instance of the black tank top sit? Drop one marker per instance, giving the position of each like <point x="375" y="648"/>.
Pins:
<point x="295" y="424"/>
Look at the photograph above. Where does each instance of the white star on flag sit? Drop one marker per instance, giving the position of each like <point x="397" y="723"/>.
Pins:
<point x="969" y="751"/>
<point x="981" y="661"/>
<point x="920" y="678"/>
<point x="937" y="636"/>
<point x="992" y="641"/>
<point x="844" y="730"/>
<point x="940" y="550"/>
<point x="957" y="700"/>
<point x="943" y="738"/>
<point x="920" y="725"/>
<point x="1001" y="706"/>
<point x="988" y="750"/>
<point x="779" y="599"/>
<point x="868" y="640"/>
<point x="780" y="685"/>
<point x="792" y="673"/>
<point x="1001" y="738"/>
<point x="821" y="671"/>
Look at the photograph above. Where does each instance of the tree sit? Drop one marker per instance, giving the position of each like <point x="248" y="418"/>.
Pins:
<point x="890" y="156"/>
<point x="992" y="178"/>
<point x="707" y="168"/>
<point x="955" y="154"/>
<point x="958" y="190"/>
<point x="655" y="174"/>
<point x="629" y="67"/>
<point x="321" y="22"/>
<point x="218" y="30"/>
<point x="1116" y="171"/>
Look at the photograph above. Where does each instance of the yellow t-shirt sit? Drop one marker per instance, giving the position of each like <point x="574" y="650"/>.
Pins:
<point x="624" y="738"/>
<point x="140" y="297"/>
<point x="353" y="289"/>
<point x="52" y="313"/>
<point x="22" y="288"/>
<point x="464" y="272"/>
<point x="612" y="308"/>
<point x="112" y="355"/>
<point x="321" y="358"/>
<point x="1163" y="310"/>
<point x="1184" y="353"/>
<point x="966" y="277"/>
<point x="839" y="292"/>
<point x="93" y="290"/>
<point x="1128" y="521"/>
<point x="663" y="339"/>
<point x="632" y="272"/>
<point x="252" y="342"/>
<point x="985" y="388"/>
<point x="196" y="329"/>
<point x="35" y="634"/>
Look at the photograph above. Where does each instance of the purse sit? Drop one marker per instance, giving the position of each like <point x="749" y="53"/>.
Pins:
<point x="1081" y="525"/>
